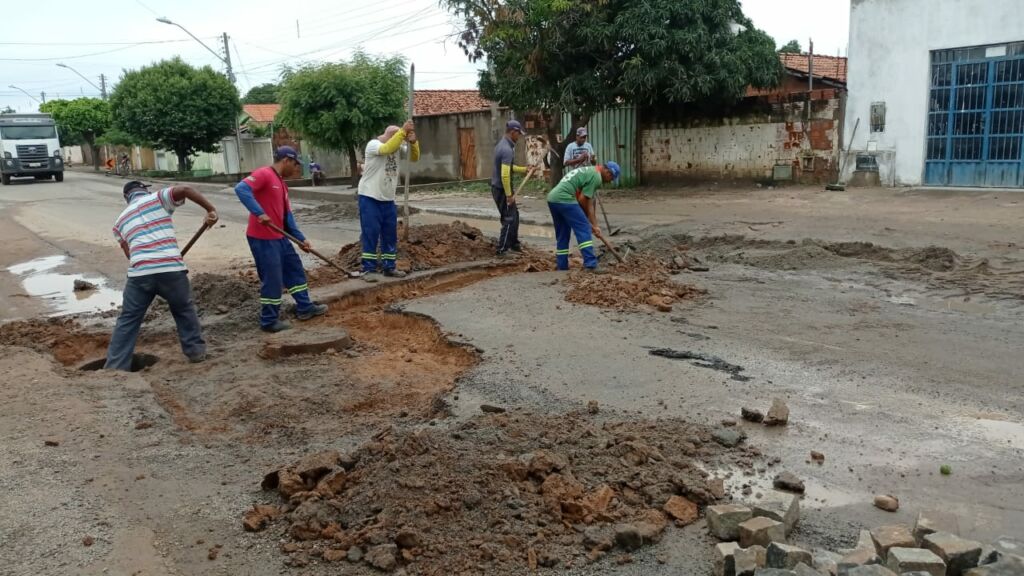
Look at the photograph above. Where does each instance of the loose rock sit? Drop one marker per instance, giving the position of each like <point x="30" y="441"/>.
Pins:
<point x="354" y="554"/>
<point x="724" y="520"/>
<point x="489" y="409"/>
<point x="88" y="541"/>
<point x="752" y="415"/>
<point x="887" y="502"/>
<point x="728" y="437"/>
<point x="858" y="557"/>
<point x="789" y="481"/>
<point x="779" y="506"/>
<point x="761" y="532"/>
<point x="960" y="555"/>
<point x="627" y="536"/>
<point x="785" y="556"/>
<point x="892" y="536"/>
<point x="778" y="414"/>
<point x="826" y="562"/>
<point x="870" y="570"/>
<point x="684" y="511"/>
<point x="593" y="407"/>
<point x="83" y="285"/>
<point x="817" y="456"/>
<point x="725" y="561"/>
<point x="382" y="557"/>
<point x="930" y="521"/>
<point x="750" y="560"/>
<point x="902" y="560"/>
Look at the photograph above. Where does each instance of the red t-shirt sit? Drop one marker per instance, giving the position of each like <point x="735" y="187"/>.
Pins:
<point x="271" y="193"/>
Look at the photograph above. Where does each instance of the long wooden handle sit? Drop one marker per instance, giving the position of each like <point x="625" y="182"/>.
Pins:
<point x="523" y="183"/>
<point x="612" y="249"/>
<point x="298" y="242"/>
<point x="195" y="237"/>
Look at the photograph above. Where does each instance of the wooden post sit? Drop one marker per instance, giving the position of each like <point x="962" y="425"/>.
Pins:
<point x="408" y="158"/>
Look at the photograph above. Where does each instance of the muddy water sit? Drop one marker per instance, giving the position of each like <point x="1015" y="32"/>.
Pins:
<point x="41" y="279"/>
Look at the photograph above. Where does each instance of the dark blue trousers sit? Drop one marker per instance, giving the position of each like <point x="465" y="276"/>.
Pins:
<point x="139" y="292"/>
<point x="279" y="268"/>
<point x="378" y="223"/>
<point x="570" y="219"/>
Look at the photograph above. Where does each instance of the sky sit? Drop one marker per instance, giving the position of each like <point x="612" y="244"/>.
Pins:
<point x="265" y="35"/>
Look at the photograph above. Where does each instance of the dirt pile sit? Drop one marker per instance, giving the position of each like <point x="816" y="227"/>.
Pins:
<point x="63" y="337"/>
<point x="643" y="280"/>
<point x="498" y="494"/>
<point x="431" y="246"/>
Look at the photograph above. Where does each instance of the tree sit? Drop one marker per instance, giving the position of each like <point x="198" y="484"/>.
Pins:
<point x="583" y="57"/>
<point x="791" y="47"/>
<point x="7" y="110"/>
<point x="339" y="106"/>
<point x="80" y="121"/>
<point x="262" y="94"/>
<point x="176" y="107"/>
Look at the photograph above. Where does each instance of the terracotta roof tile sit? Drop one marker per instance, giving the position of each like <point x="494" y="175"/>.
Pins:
<point x="437" y="102"/>
<point x="830" y="67"/>
<point x="262" y="113"/>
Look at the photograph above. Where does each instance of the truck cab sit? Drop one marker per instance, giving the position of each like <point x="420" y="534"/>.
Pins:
<point x="29" y="147"/>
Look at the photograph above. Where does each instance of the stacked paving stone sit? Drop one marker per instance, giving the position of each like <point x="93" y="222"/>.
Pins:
<point x="754" y="544"/>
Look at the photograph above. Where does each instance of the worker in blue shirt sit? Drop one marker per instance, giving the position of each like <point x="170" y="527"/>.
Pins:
<point x="579" y="153"/>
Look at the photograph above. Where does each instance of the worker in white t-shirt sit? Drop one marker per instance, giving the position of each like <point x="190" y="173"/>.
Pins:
<point x="378" y="213"/>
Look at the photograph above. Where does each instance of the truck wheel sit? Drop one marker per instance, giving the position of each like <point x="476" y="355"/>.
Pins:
<point x="6" y="179"/>
<point x="59" y="176"/>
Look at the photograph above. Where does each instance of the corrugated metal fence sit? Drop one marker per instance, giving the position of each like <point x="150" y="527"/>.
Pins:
<point x="613" y="133"/>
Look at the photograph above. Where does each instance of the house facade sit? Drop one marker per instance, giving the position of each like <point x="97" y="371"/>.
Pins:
<point x="936" y="90"/>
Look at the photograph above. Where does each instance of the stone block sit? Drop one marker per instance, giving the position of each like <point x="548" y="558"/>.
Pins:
<point x="725" y="561"/>
<point x="724" y="520"/>
<point x="761" y="532"/>
<point x="774" y="572"/>
<point x="786" y="556"/>
<point x="902" y="560"/>
<point x="960" y="555"/>
<point x="930" y="521"/>
<point x="749" y="560"/>
<point x="870" y="570"/>
<point x="892" y="536"/>
<point x="1008" y="566"/>
<point x="802" y="569"/>
<point x="779" y="506"/>
<point x="826" y="562"/>
<point x="858" y="557"/>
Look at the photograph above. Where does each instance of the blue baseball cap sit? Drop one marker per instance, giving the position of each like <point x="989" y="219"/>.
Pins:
<point x="613" y="167"/>
<point x="286" y="152"/>
<point x="515" y="125"/>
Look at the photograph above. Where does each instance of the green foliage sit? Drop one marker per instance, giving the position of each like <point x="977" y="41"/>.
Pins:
<point x="80" y="121"/>
<point x="946" y="469"/>
<point x="262" y="94"/>
<point x="176" y="107"/>
<point x="582" y="57"/>
<point x="340" y="105"/>
<point x="7" y="110"/>
<point x="259" y="130"/>
<point x="791" y="47"/>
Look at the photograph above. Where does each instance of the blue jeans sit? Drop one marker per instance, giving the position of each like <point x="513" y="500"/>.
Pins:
<point x="378" y="224"/>
<point x="139" y="292"/>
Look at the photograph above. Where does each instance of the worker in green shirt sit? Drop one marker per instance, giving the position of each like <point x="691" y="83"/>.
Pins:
<point x="572" y="207"/>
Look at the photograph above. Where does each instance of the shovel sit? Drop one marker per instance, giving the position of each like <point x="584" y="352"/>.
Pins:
<point x="612" y="249"/>
<point x="313" y="252"/>
<point x="606" y="222"/>
<point x="195" y="237"/>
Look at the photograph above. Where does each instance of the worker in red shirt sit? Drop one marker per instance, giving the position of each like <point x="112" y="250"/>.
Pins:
<point x="265" y="195"/>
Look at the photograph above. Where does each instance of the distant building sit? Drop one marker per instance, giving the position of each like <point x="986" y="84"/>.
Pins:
<point x="938" y="89"/>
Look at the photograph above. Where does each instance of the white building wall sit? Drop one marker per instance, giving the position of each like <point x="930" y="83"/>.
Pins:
<point x="890" y="60"/>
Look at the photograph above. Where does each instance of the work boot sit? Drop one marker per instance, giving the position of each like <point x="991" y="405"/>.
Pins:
<point x="518" y="248"/>
<point x="277" y="326"/>
<point x="314" y="310"/>
<point x="197" y="358"/>
<point x="395" y="274"/>
<point x="596" y="270"/>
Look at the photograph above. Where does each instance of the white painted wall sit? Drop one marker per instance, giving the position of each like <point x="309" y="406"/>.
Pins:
<point x="890" y="58"/>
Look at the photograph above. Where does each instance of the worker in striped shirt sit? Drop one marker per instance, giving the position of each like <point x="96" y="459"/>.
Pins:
<point x="155" y="268"/>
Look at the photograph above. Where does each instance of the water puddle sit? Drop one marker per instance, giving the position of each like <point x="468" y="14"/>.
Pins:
<point x="41" y="280"/>
<point x="817" y="494"/>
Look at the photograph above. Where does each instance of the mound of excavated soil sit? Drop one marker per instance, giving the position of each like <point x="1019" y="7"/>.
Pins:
<point x="62" y="337"/>
<point x="498" y="494"/>
<point x="642" y="280"/>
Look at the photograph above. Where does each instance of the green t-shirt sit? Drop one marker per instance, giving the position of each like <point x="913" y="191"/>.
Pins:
<point x="587" y="179"/>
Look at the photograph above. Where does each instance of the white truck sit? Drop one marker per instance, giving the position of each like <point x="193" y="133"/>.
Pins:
<point x="30" y="148"/>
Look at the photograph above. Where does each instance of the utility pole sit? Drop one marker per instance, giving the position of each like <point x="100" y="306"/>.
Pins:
<point x="103" y="85"/>
<point x="43" y="96"/>
<point x="231" y="77"/>
<point x="227" y="58"/>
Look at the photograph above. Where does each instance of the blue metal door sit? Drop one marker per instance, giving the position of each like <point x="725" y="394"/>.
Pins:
<point x="975" y="120"/>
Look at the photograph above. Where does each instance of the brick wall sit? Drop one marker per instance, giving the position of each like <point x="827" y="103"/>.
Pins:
<point x="749" y="142"/>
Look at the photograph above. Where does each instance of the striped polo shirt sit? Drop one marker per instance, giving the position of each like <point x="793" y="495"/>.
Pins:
<point x="146" y="227"/>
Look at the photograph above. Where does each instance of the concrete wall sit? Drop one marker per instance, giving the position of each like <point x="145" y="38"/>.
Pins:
<point x="439" y="143"/>
<point x="748" y="145"/>
<point x="890" y="59"/>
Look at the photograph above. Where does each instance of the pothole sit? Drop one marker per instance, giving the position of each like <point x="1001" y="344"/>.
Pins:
<point x="139" y="362"/>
